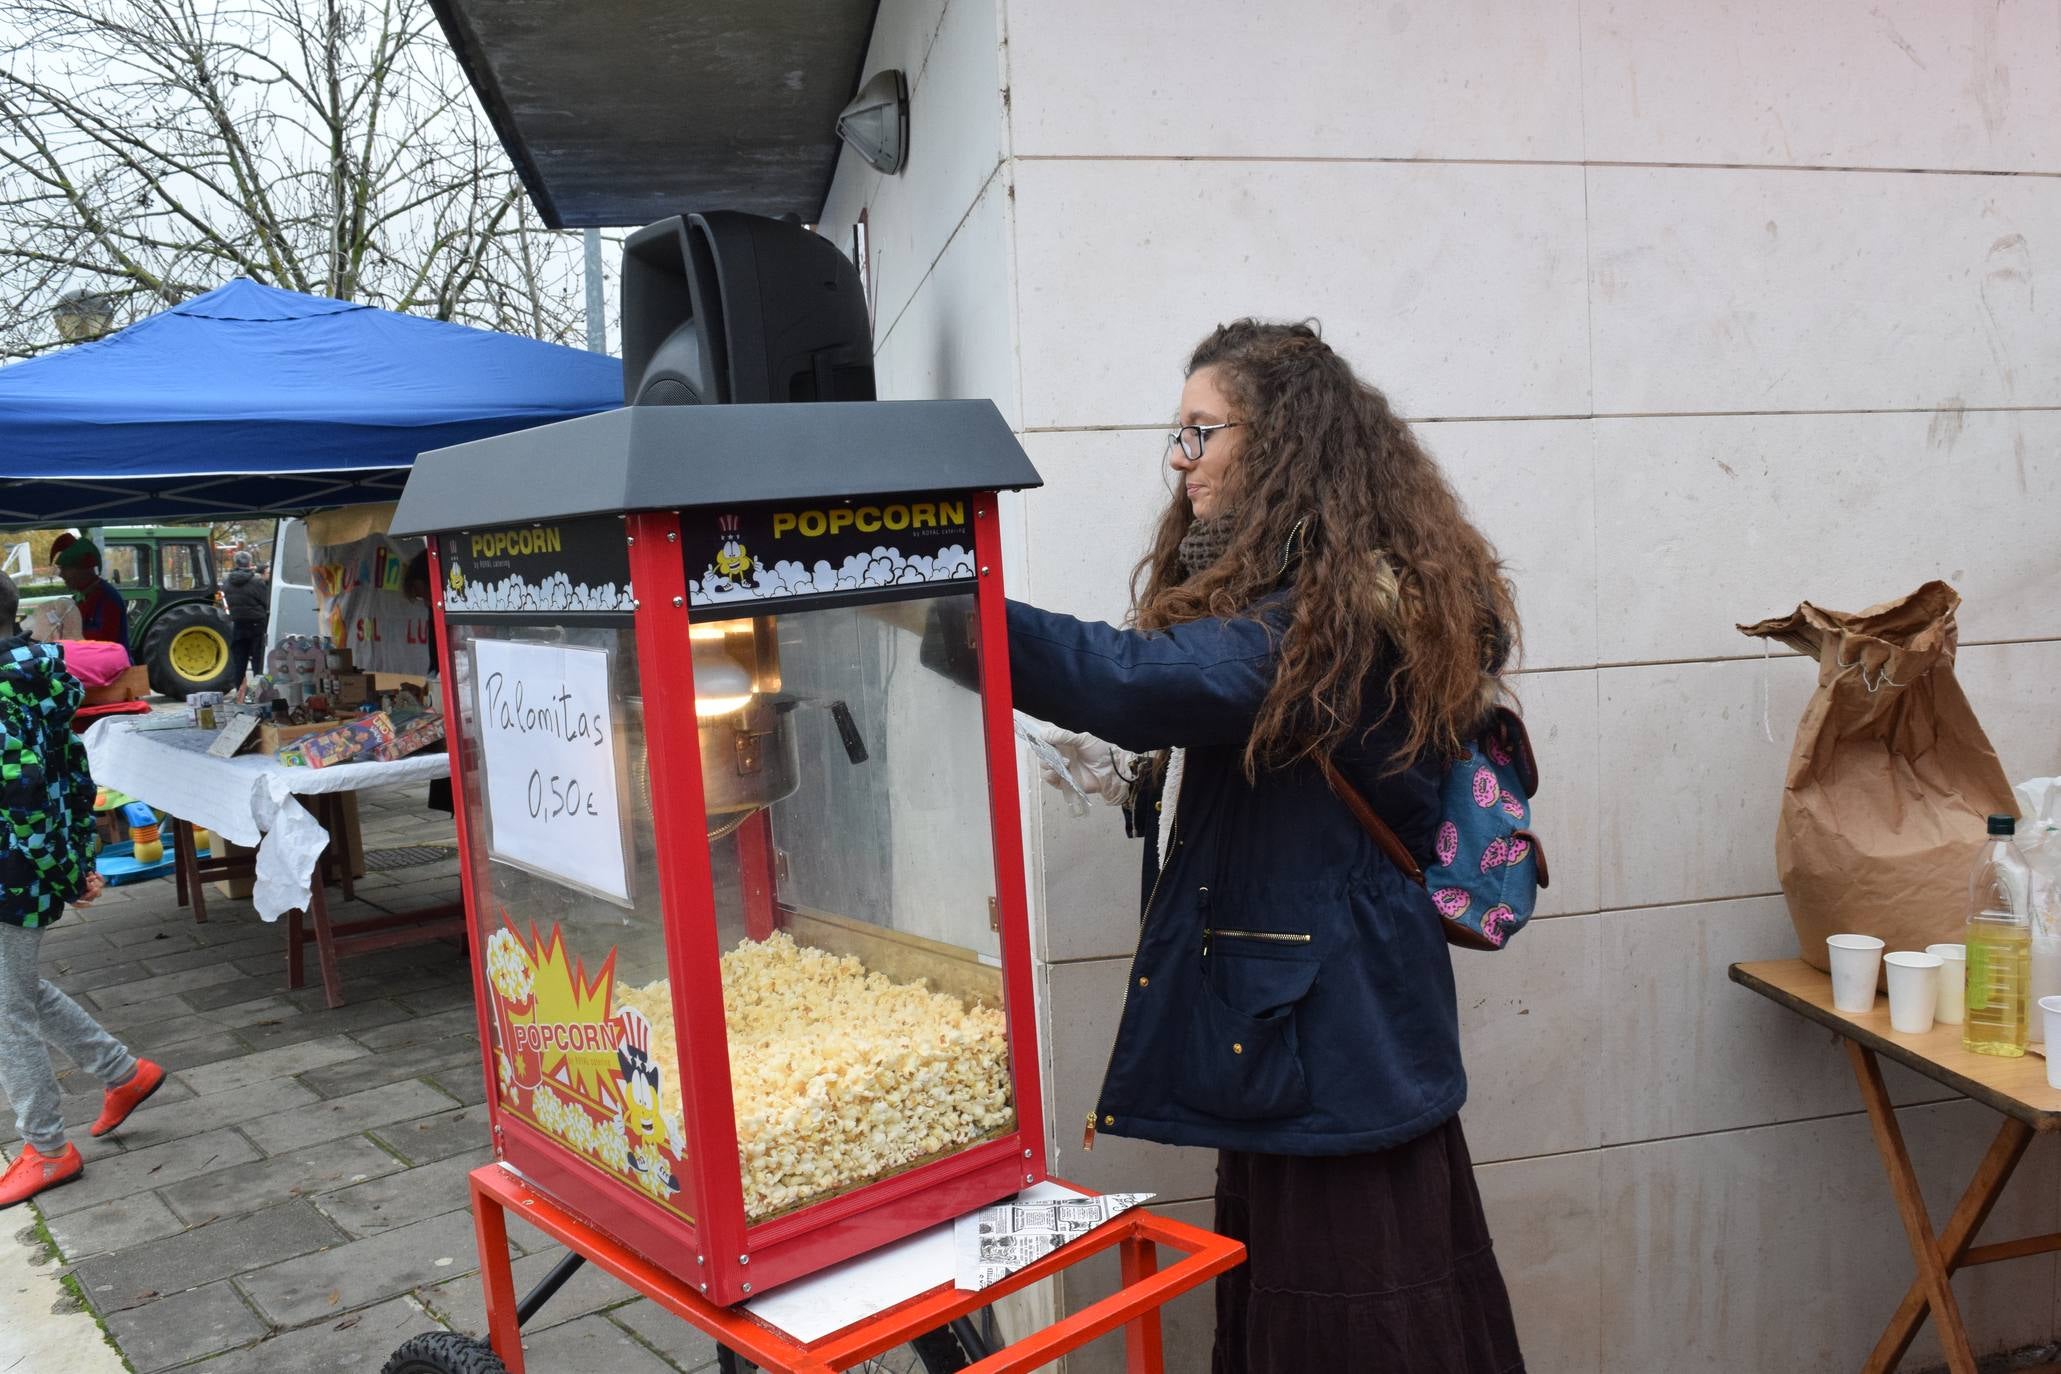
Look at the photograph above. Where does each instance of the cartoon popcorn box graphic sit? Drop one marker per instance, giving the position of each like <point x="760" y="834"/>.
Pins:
<point x="514" y="976"/>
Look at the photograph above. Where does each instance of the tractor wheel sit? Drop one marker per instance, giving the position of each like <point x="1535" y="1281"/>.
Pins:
<point x="444" y="1352"/>
<point x="187" y="651"/>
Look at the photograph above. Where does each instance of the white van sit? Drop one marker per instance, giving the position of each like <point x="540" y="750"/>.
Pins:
<point x="294" y="609"/>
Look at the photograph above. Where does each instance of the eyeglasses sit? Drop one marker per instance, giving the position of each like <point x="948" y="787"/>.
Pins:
<point x="1192" y="438"/>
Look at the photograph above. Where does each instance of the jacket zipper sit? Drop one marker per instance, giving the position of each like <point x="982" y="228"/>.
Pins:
<point x="1173" y="841"/>
<point x="1270" y="937"/>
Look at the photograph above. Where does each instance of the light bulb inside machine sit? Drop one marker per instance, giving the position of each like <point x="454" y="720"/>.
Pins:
<point x="721" y="686"/>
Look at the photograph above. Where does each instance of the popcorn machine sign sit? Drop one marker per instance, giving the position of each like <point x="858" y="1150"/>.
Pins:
<point x="576" y="1068"/>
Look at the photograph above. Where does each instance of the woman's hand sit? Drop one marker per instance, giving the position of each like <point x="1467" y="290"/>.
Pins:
<point x="1097" y="767"/>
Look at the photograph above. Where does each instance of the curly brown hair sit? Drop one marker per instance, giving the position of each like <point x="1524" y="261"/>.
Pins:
<point x="1334" y="495"/>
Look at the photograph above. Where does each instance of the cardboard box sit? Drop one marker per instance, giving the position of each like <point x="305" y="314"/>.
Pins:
<point x="352" y="689"/>
<point x="277" y="735"/>
<point x="394" y="682"/>
<point x="132" y="685"/>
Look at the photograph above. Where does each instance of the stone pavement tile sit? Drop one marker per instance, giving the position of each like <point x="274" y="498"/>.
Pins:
<point x="362" y="1271"/>
<point x="183" y="1327"/>
<point x="152" y="1036"/>
<point x="283" y="1062"/>
<point x="457" y="994"/>
<point x="256" y="1012"/>
<point x="295" y="1026"/>
<point x="361" y="983"/>
<point x="147" y="1169"/>
<point x="243" y="989"/>
<point x="185" y="956"/>
<point x="61" y="962"/>
<point x="464" y="1082"/>
<point x="126" y="1019"/>
<point x="371" y="1070"/>
<point x="436" y="1137"/>
<point x="115" y="1224"/>
<point x="212" y="1048"/>
<point x="158" y="1122"/>
<point x="283" y="1178"/>
<point x="443" y="1026"/>
<point x="341" y="1116"/>
<point x="138" y="926"/>
<point x="187" y="980"/>
<point x="591" y="1343"/>
<point x="265" y="1241"/>
<point x="128" y="970"/>
<point x="399" y="1199"/>
<point x="461" y="1303"/>
<point x="353" y="1343"/>
<point x="685" y="1344"/>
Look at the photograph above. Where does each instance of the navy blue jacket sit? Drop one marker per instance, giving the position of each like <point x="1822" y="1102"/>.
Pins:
<point x="1291" y="991"/>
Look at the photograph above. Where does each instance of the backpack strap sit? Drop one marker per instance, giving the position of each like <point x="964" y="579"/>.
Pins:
<point x="1377" y="829"/>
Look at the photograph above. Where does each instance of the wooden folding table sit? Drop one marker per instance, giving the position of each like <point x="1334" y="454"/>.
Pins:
<point x="2014" y="1088"/>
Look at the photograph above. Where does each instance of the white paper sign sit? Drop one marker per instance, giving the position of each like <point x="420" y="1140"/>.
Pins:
<point x="547" y="743"/>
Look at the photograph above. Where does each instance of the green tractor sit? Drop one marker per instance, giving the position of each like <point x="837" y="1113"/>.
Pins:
<point x="166" y="574"/>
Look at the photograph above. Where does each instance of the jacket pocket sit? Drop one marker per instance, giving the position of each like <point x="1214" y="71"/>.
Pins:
<point x="1242" y="1060"/>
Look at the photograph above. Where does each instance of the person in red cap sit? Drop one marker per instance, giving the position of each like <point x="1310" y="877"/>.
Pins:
<point x="46" y="863"/>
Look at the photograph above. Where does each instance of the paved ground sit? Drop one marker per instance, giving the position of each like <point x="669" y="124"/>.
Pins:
<point x="293" y="1199"/>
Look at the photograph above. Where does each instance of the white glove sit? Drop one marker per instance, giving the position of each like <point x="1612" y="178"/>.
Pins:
<point x="1097" y="767"/>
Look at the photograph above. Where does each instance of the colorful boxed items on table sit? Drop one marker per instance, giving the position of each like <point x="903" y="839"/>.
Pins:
<point x="418" y="734"/>
<point x="354" y="739"/>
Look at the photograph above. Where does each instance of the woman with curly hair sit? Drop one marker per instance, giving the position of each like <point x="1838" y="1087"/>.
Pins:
<point x="1314" y="591"/>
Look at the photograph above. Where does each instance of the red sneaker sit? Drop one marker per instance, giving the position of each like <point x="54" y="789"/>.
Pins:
<point x="147" y="1079"/>
<point x="33" y="1173"/>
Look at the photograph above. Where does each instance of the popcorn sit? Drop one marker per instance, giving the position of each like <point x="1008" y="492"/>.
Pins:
<point x="509" y="967"/>
<point x="839" y="1076"/>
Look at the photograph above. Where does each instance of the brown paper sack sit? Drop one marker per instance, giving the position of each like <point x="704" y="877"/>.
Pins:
<point x="1891" y="781"/>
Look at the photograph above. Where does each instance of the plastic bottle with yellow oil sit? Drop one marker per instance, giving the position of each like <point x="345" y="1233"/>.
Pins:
<point x="1999" y="941"/>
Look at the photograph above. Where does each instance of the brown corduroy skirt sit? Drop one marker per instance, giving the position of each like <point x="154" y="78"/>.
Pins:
<point x="1378" y="1262"/>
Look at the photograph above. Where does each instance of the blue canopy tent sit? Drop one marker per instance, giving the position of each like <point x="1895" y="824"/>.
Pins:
<point x="253" y="400"/>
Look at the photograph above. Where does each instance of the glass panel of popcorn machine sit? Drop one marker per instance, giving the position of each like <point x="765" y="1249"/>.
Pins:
<point x="558" y="813"/>
<point x="845" y="767"/>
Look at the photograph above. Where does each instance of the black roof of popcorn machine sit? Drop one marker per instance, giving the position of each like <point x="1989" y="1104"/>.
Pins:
<point x="679" y="457"/>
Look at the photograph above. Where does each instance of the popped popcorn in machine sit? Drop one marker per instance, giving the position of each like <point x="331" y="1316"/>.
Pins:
<point x="729" y="712"/>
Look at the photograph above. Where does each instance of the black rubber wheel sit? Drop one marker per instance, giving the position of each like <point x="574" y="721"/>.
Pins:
<point x="938" y="1351"/>
<point x="444" y="1352"/>
<point x="187" y="650"/>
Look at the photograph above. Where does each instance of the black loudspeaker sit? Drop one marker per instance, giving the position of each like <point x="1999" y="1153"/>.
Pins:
<point x="730" y="307"/>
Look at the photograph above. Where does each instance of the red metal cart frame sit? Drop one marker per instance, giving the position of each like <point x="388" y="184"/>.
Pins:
<point x="1134" y="1306"/>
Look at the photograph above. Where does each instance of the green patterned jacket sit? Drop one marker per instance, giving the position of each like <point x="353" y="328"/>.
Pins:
<point x="46" y="792"/>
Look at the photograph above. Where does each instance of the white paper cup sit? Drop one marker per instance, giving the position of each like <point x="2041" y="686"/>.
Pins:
<point x="1913" y="990"/>
<point x="1856" y="964"/>
<point x="1953" y="983"/>
<point x="2050" y="1019"/>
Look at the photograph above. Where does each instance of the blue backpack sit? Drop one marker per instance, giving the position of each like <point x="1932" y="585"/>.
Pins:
<point x="1490" y="865"/>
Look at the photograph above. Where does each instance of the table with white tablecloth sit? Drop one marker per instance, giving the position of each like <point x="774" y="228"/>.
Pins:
<point x="258" y="802"/>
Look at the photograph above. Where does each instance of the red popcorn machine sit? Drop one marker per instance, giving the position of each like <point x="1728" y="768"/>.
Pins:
<point x="727" y="693"/>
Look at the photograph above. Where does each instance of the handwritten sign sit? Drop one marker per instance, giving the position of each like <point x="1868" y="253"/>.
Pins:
<point x="547" y="744"/>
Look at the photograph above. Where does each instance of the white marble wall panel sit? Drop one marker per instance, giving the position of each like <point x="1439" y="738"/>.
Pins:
<point x="1741" y="291"/>
<point x="1305" y="78"/>
<point x="954" y="339"/>
<point x="2016" y="692"/>
<point x="1530" y="486"/>
<point x="1779" y="1248"/>
<point x="1458" y="289"/>
<point x="1092" y="520"/>
<point x="1560" y="713"/>
<point x="1834" y="83"/>
<point x="1689" y="784"/>
<point x="1690" y="1051"/>
<point x="1531" y="1022"/>
<point x="1089" y="881"/>
<point x="1711" y="521"/>
<point x="1543" y="1215"/>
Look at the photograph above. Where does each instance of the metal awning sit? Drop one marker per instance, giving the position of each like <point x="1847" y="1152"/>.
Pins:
<point x="621" y="113"/>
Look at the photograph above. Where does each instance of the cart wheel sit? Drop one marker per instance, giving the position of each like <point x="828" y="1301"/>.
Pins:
<point x="935" y="1352"/>
<point x="444" y="1352"/>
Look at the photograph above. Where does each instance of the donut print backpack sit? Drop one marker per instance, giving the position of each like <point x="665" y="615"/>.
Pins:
<point x="1490" y="865"/>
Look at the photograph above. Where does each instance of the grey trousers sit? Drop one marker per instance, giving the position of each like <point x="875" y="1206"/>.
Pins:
<point x="33" y="1016"/>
